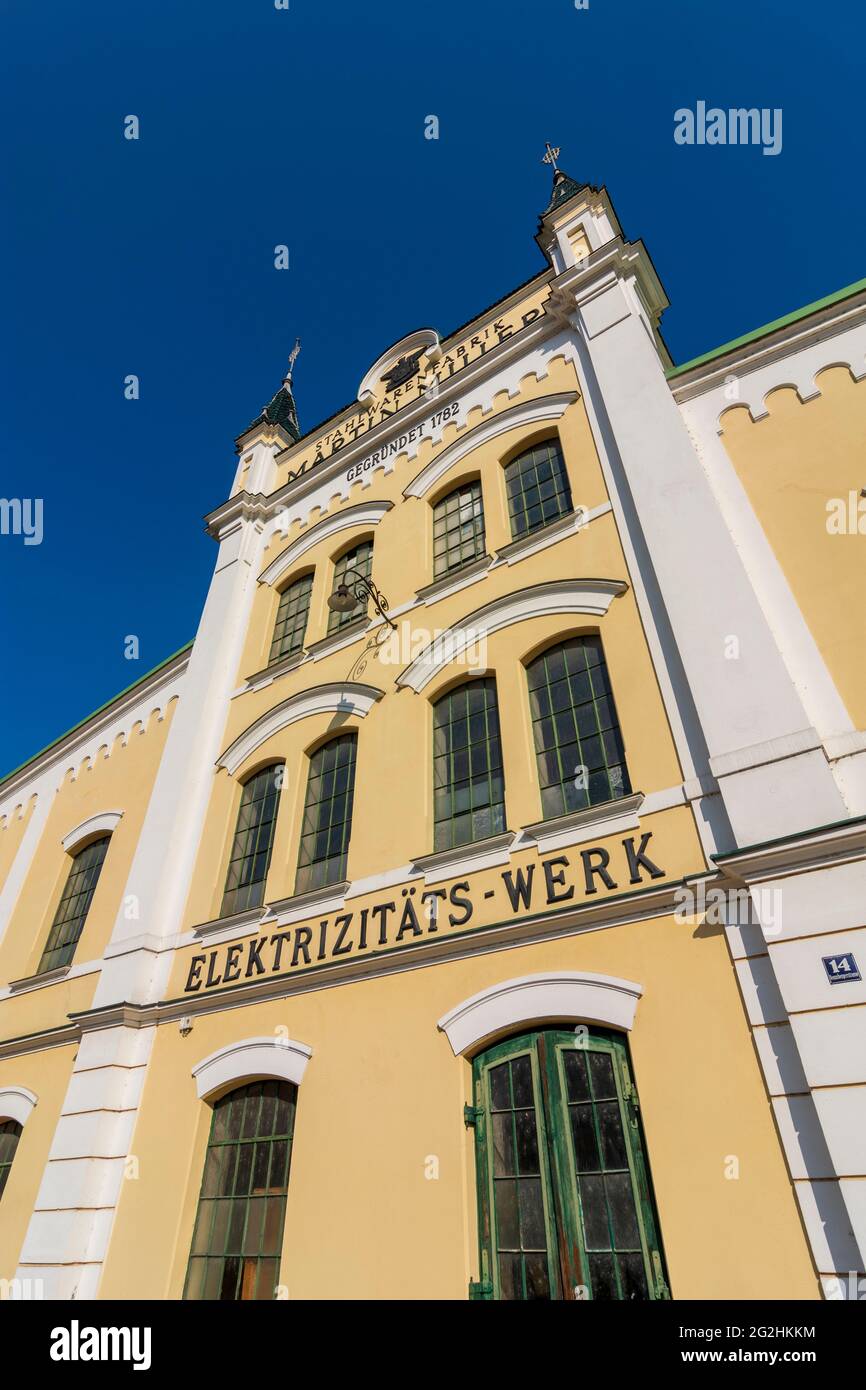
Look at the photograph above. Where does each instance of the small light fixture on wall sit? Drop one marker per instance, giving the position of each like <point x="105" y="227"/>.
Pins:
<point x="185" y="1025"/>
<point x="357" y="591"/>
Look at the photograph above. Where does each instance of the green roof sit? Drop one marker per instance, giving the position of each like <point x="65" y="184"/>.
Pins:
<point x="769" y="328"/>
<point x="81" y="723"/>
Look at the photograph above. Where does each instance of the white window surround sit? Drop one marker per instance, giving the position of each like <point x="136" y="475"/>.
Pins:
<point x="106" y="822"/>
<point x="541" y="411"/>
<point x="590" y="596"/>
<point x="251" y="1059"/>
<point x="556" y="996"/>
<point x="363" y="515"/>
<point x="16" y="1103"/>
<point x="335" y="697"/>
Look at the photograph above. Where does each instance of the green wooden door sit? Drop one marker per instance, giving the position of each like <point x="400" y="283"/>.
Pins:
<point x="565" y="1207"/>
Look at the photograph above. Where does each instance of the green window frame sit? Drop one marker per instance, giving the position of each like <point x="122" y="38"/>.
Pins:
<point x="238" y="1235"/>
<point x="291" y="622"/>
<point x="578" y="745"/>
<point x="468" y="775"/>
<point x="565" y="1203"/>
<point x="10" y="1133"/>
<point x="253" y="842"/>
<point x="359" y="558"/>
<point x="458" y="528"/>
<point x="537" y="488"/>
<point x="74" y="905"/>
<point x="327" y="824"/>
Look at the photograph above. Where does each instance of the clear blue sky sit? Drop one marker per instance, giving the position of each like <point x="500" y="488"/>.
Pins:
<point x="306" y="127"/>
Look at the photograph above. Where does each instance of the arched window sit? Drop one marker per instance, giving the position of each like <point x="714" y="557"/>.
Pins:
<point x="578" y="745"/>
<point x="254" y="840"/>
<point x="10" y="1133"/>
<point x="74" y="905"/>
<point x="565" y="1204"/>
<point x="327" y="824"/>
<point x="468" y="780"/>
<point x="458" y="528"/>
<point x="360" y="558"/>
<point x="238" y="1236"/>
<point x="537" y="487"/>
<point x="291" y="624"/>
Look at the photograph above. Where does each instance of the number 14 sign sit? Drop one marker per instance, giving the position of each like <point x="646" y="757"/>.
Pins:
<point x="841" y="969"/>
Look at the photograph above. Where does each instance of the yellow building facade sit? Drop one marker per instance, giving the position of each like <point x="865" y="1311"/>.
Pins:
<point x="475" y="908"/>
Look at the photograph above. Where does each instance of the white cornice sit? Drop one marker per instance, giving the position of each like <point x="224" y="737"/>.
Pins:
<point x="345" y="698"/>
<point x="104" y="822"/>
<point x="563" y="996"/>
<point x="250" y="1059"/>
<point x="538" y="411"/>
<point x="591" y="596"/>
<point x="362" y="515"/>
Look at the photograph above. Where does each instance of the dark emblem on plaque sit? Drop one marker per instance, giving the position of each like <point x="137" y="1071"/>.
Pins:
<point x="402" y="370"/>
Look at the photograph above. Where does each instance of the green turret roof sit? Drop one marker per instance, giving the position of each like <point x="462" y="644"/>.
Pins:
<point x="563" y="189"/>
<point x="280" y="411"/>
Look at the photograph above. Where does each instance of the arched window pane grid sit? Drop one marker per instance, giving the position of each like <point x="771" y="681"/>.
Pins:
<point x="458" y="529"/>
<point x="327" y="823"/>
<point x="10" y="1133"/>
<point x="468" y="778"/>
<point x="291" y="623"/>
<point x="253" y="842"/>
<point x="537" y="488"/>
<point x="360" y="559"/>
<point x="578" y="745"/>
<point x="74" y="905"/>
<point x="238" y="1235"/>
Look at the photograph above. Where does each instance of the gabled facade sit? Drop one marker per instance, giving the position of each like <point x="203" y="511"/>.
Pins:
<point x="476" y="907"/>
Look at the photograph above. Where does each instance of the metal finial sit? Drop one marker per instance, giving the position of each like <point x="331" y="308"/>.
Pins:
<point x="292" y="355"/>
<point x="551" y="156"/>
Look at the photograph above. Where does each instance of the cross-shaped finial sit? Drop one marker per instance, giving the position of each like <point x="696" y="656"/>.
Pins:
<point x="292" y="355"/>
<point x="551" y="156"/>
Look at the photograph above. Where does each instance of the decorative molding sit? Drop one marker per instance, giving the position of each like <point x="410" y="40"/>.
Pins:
<point x="105" y="821"/>
<point x="37" y="981"/>
<point x="536" y="412"/>
<point x="330" y="898"/>
<point x="268" y="674"/>
<point x="225" y="927"/>
<point x="343" y="637"/>
<point x="347" y="698"/>
<point x="591" y="596"/>
<point x="16" y="1103"/>
<point x="560" y="996"/>
<point x="455" y="581"/>
<point x="249" y="1060"/>
<point x="592" y="822"/>
<point x="449" y="863"/>
<point x="422" y="340"/>
<point x="362" y="515"/>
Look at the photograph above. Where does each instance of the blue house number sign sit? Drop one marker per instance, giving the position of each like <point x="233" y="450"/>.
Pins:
<point x="841" y="969"/>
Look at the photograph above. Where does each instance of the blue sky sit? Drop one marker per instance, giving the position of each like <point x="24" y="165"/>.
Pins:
<point x="305" y="127"/>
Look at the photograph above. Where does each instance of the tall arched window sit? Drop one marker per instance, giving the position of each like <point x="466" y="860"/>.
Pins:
<point x="578" y="744"/>
<point x="238" y="1236"/>
<point x="565" y="1204"/>
<point x="458" y="528"/>
<point x="74" y="905"/>
<point x="468" y="779"/>
<point x="254" y="840"/>
<point x="291" y="623"/>
<point x="327" y="824"/>
<point x="10" y="1133"/>
<point x="537" y="487"/>
<point x="360" y="558"/>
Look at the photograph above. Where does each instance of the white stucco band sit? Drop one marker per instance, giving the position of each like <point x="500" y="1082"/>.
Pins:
<point x="565" y="995"/>
<point x="352" y="518"/>
<point x="251" y="1059"/>
<point x="591" y="596"/>
<point x="102" y="824"/>
<point x="16" y="1103"/>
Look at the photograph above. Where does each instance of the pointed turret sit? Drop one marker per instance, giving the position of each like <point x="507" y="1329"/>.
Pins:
<point x="281" y="409"/>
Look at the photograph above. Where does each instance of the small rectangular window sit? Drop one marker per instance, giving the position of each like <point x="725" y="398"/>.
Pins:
<point x="458" y="529"/>
<point x="327" y="823"/>
<point x="74" y="906"/>
<point x="291" y="623"/>
<point x="254" y="840"/>
<point x="468" y="780"/>
<point x="537" y="488"/>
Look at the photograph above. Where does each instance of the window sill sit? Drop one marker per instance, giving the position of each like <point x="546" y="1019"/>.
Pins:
<point x="547" y="535"/>
<point x="455" y="580"/>
<point x="233" y="924"/>
<point x="260" y="679"/>
<point x="590" y="823"/>
<point x="343" y="637"/>
<point x="45" y="977"/>
<point x="327" y="899"/>
<point x="480" y="854"/>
